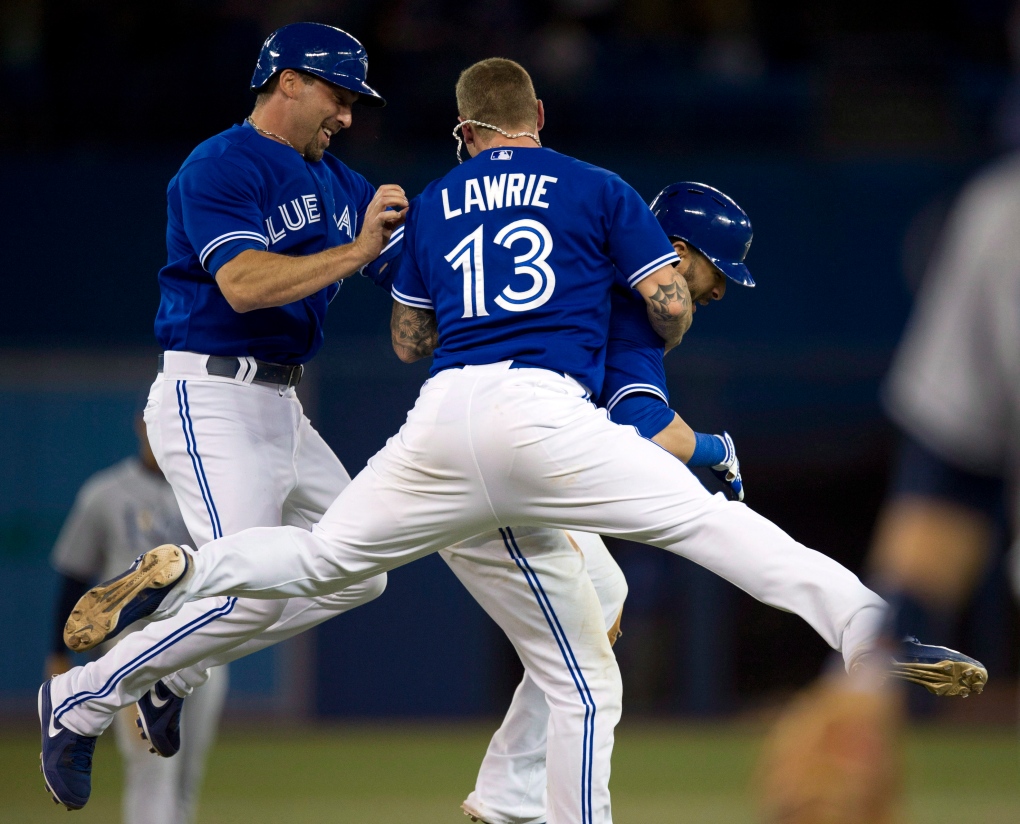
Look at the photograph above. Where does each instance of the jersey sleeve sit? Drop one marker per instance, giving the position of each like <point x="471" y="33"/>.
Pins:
<point x="383" y="269"/>
<point x="634" y="240"/>
<point x="408" y="283"/>
<point x="649" y="414"/>
<point x="220" y="211"/>
<point x="78" y="552"/>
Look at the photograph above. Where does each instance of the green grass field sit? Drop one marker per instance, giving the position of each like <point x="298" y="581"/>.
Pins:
<point x="662" y="772"/>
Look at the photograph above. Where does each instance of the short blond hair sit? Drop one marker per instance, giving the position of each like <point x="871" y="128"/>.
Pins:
<point x="497" y="91"/>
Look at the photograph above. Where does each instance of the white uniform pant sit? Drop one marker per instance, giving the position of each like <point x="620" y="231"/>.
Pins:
<point x="511" y="784"/>
<point x="490" y="446"/>
<point x="237" y="455"/>
<point x="165" y="790"/>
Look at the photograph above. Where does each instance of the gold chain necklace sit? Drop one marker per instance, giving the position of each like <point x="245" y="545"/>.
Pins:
<point x="266" y="132"/>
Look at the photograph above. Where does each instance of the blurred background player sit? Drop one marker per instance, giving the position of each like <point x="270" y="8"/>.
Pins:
<point x="117" y="514"/>
<point x="954" y="393"/>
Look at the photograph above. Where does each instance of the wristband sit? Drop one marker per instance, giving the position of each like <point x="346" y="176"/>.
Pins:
<point x="709" y="450"/>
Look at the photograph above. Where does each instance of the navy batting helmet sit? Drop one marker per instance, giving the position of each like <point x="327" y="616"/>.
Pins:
<point x="318" y="49"/>
<point x="709" y="221"/>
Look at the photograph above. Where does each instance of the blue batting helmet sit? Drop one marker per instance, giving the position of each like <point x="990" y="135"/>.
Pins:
<point x="709" y="221"/>
<point x="327" y="52"/>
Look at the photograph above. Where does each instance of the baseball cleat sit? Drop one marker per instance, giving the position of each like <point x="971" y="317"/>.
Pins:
<point x="108" y="608"/>
<point x="940" y="670"/>
<point x="66" y="757"/>
<point x="159" y="719"/>
<point x="472" y="814"/>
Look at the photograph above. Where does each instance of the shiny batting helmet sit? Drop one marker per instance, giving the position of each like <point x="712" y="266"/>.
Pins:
<point x="709" y="221"/>
<point x="327" y="52"/>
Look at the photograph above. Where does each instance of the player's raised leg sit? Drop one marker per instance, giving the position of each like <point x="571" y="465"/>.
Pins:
<point x="542" y="472"/>
<point x="289" y="473"/>
<point x="320" y="477"/>
<point x="631" y="488"/>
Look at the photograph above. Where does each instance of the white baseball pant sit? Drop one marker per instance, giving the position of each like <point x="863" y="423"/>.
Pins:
<point x="217" y="630"/>
<point x="237" y="455"/>
<point x="488" y="446"/>
<point x="511" y="784"/>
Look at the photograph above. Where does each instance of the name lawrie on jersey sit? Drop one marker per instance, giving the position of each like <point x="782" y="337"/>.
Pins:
<point x="497" y="192"/>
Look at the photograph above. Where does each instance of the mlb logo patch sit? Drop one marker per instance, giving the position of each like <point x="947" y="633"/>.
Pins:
<point x="502" y="154"/>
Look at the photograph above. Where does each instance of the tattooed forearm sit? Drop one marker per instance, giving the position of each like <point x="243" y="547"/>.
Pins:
<point x="413" y="331"/>
<point x="669" y="310"/>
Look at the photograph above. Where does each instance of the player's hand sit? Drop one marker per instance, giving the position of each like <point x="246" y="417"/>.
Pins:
<point x="57" y="663"/>
<point x="385" y="213"/>
<point x="728" y="471"/>
<point x="834" y="757"/>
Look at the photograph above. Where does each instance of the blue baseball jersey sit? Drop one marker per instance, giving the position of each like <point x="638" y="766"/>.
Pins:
<point x="516" y="251"/>
<point x="382" y="270"/>
<point x="240" y="190"/>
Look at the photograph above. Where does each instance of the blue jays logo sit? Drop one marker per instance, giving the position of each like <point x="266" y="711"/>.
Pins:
<point x="501" y="154"/>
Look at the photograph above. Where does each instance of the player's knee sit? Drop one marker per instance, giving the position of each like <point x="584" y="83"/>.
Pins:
<point x="356" y="594"/>
<point x="374" y="587"/>
<point x="256" y="613"/>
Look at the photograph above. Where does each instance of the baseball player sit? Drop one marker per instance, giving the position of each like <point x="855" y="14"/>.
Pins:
<point x="118" y="513"/>
<point x="503" y="433"/>
<point x="954" y="392"/>
<point x="263" y="225"/>
<point x="711" y="235"/>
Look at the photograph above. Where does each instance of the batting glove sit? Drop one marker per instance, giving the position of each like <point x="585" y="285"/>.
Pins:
<point x="728" y="470"/>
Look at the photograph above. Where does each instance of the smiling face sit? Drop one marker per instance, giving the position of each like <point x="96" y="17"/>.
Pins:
<point x="705" y="281"/>
<point x="319" y="111"/>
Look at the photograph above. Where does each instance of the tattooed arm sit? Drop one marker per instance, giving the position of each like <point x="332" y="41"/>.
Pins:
<point x="668" y="301"/>
<point x="413" y="331"/>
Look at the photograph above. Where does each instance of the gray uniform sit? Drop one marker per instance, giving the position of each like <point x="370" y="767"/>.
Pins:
<point x="955" y="382"/>
<point x="120" y="513"/>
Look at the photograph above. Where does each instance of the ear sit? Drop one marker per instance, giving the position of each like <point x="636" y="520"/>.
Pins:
<point x="541" y="116"/>
<point x="467" y="132"/>
<point x="290" y="81"/>
<point x="680" y="247"/>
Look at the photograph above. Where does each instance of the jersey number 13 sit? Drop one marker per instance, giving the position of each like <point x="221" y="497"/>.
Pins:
<point x="469" y="257"/>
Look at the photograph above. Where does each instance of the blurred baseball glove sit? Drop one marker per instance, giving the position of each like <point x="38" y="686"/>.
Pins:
<point x="834" y="757"/>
